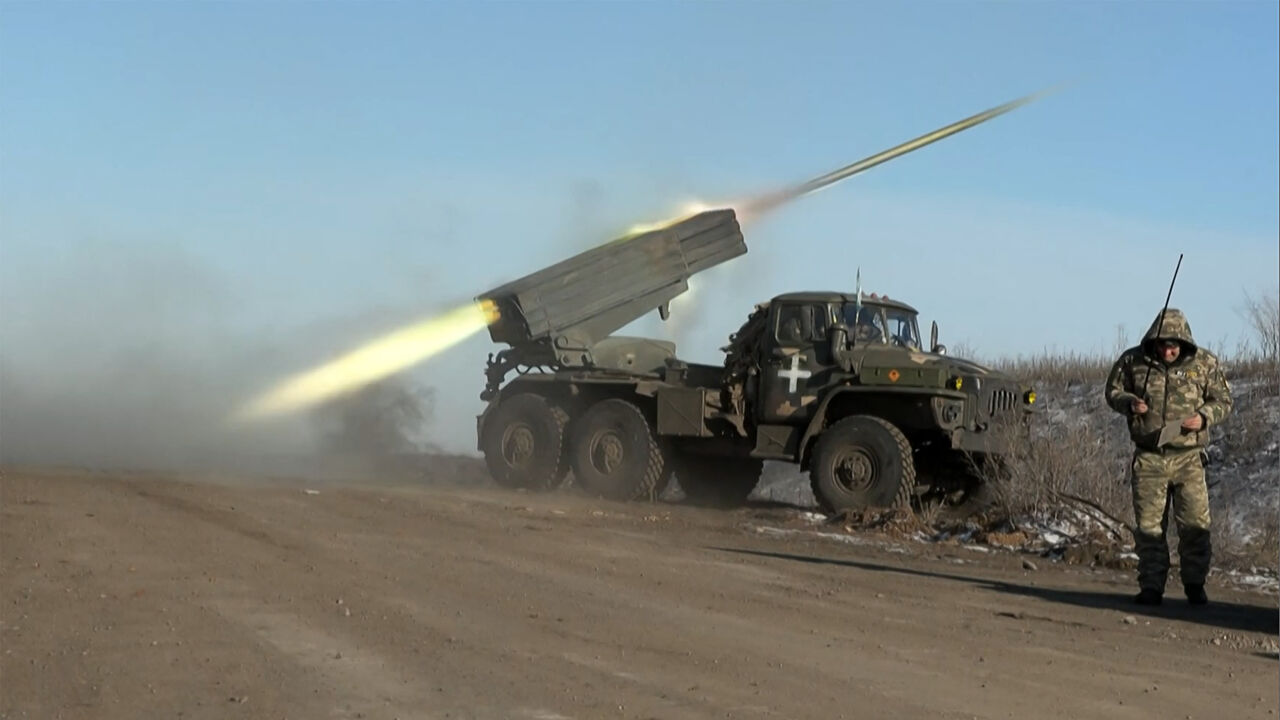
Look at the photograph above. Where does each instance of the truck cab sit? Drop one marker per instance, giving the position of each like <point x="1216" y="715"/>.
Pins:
<point x="815" y="338"/>
<point x="829" y="359"/>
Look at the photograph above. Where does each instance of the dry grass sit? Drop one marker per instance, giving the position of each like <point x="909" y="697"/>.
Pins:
<point x="1263" y="314"/>
<point x="1050" y="370"/>
<point x="1259" y="357"/>
<point x="1082" y="453"/>
<point x="1074" y="459"/>
<point x="1258" y="550"/>
<point x="1060" y="472"/>
<point x="1256" y="359"/>
<point x="1049" y="465"/>
<point x="1246" y="364"/>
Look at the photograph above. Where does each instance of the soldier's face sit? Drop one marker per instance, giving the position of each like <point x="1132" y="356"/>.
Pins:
<point x="1169" y="351"/>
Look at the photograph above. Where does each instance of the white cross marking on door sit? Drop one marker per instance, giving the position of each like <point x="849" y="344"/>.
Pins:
<point x="794" y="374"/>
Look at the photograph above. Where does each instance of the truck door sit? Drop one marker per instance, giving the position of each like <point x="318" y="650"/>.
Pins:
<point x="796" y="363"/>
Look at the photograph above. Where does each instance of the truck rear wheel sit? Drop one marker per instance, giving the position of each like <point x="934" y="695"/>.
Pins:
<point x="862" y="462"/>
<point x="713" y="481"/>
<point x="524" y="443"/>
<point x="615" y="454"/>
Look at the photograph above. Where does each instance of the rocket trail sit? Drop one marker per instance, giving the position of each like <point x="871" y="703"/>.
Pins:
<point x="414" y="344"/>
<point x="770" y="201"/>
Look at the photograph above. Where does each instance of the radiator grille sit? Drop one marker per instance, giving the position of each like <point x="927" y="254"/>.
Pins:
<point x="1001" y="401"/>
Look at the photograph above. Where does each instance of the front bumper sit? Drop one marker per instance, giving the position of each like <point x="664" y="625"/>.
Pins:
<point x="977" y="442"/>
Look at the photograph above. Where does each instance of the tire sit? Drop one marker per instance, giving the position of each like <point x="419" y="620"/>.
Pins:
<point x="862" y="462"/>
<point x="614" y="453"/>
<point x="523" y="443"/>
<point x="719" y="482"/>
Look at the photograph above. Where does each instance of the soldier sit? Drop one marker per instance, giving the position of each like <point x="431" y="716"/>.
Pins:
<point x="867" y="329"/>
<point x="1172" y="392"/>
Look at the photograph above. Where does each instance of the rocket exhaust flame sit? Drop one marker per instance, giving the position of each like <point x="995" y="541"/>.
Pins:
<point x="376" y="360"/>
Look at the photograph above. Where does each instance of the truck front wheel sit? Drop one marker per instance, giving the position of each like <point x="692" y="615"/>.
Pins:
<point x="615" y="454"/>
<point x="524" y="443"/>
<point x="862" y="462"/>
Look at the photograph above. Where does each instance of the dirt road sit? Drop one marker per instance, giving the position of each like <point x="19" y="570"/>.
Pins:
<point x="134" y="596"/>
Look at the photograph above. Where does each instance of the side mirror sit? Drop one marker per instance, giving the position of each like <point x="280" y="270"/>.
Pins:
<point x="838" y="335"/>
<point x="933" y="340"/>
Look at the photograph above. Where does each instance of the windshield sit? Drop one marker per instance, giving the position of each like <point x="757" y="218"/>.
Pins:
<point x="875" y="323"/>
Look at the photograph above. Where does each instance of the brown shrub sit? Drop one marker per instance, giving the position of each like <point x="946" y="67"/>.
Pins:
<point x="1263" y="314"/>
<point x="1047" y="465"/>
<point x="1254" y="549"/>
<point x="1079" y="448"/>
<point x="1255" y="364"/>
<point x="1046" y="369"/>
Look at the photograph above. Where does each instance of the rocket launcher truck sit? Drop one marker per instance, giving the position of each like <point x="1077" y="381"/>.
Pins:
<point x="838" y="383"/>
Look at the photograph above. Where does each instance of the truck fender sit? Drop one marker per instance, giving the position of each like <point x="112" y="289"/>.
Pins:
<point x="488" y="408"/>
<point x="818" y="421"/>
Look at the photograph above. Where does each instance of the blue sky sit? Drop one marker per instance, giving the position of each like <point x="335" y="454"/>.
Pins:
<point x="261" y="185"/>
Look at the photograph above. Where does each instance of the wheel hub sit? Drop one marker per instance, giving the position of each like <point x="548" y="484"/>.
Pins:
<point x="517" y="445"/>
<point x="606" y="452"/>
<point x="855" y="470"/>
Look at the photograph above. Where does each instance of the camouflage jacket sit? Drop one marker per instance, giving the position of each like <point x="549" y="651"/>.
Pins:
<point x="1194" y="383"/>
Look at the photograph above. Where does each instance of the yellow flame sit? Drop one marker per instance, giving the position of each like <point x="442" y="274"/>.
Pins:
<point x="687" y="210"/>
<point x="395" y="351"/>
<point x="378" y="359"/>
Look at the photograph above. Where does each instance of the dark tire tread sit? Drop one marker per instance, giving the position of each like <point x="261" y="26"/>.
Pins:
<point x="559" y="423"/>
<point x="654" y="475"/>
<point x="906" y="488"/>
<point x="561" y="418"/>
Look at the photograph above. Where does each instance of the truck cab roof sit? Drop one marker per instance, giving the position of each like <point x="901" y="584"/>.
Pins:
<point x="826" y="296"/>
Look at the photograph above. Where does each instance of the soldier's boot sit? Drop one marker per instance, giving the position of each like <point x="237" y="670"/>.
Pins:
<point x="1153" y="567"/>
<point x="1196" y="594"/>
<point x="1149" y="596"/>
<point x="1196" y="554"/>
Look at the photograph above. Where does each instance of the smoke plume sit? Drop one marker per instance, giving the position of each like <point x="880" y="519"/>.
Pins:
<point x="129" y="358"/>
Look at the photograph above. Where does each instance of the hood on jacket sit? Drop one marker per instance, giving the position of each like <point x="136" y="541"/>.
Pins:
<point x="1173" y="327"/>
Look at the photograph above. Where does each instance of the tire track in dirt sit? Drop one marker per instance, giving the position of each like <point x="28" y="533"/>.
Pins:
<point x="478" y="604"/>
<point x="484" y="641"/>
<point x="503" y="561"/>
<point x="365" y="683"/>
<point x="541" y="652"/>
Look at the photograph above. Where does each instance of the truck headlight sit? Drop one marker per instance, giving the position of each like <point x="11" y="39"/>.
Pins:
<point x="949" y="412"/>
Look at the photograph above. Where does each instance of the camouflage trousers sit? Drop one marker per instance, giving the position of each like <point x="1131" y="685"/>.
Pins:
<point x="1176" y="476"/>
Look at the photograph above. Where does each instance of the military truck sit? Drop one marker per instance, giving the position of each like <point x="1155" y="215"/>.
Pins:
<point x="839" y="383"/>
